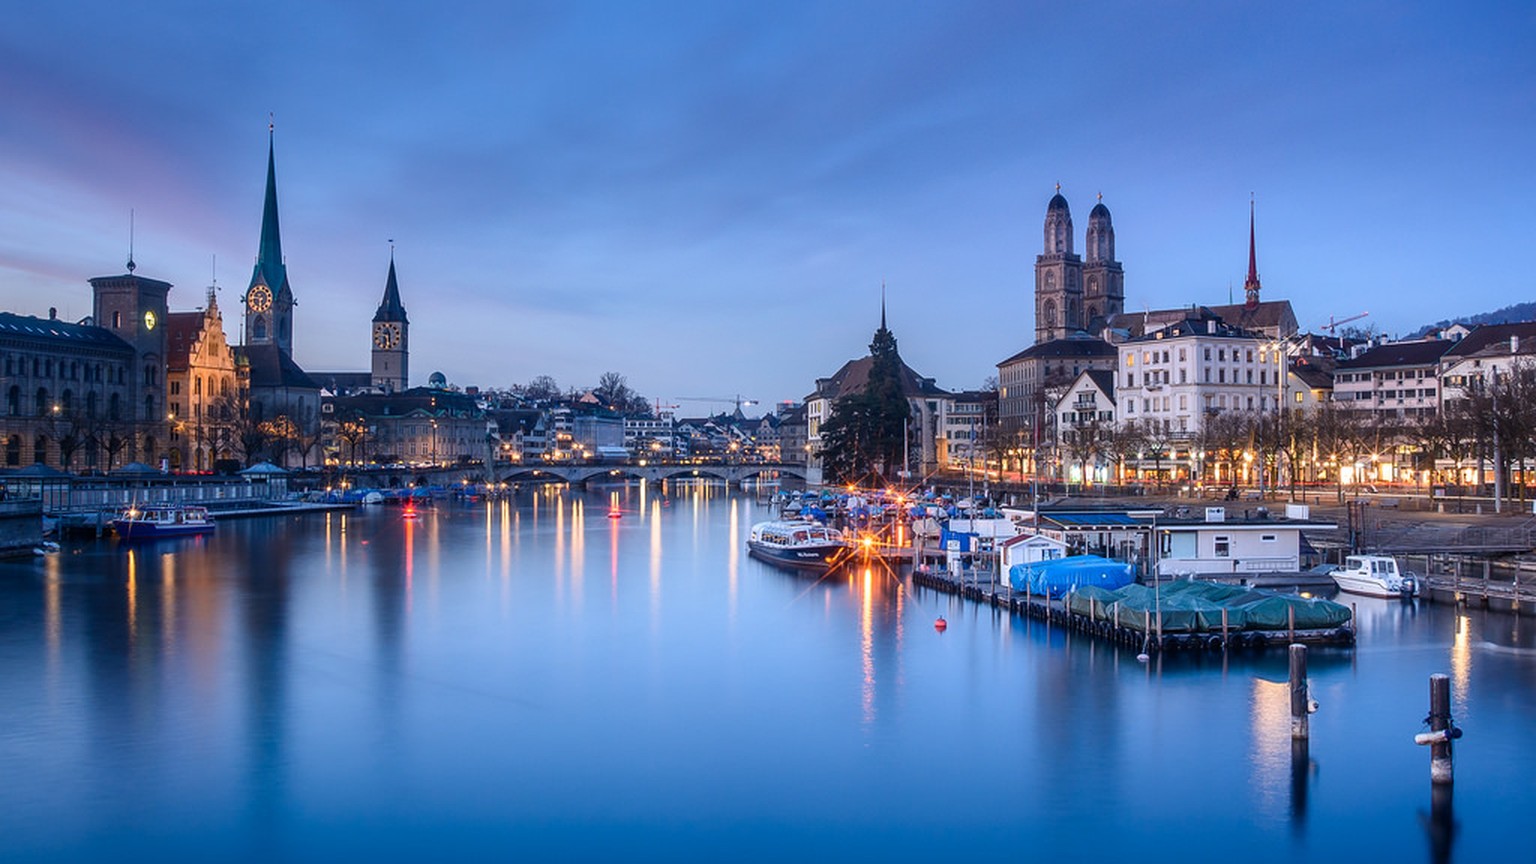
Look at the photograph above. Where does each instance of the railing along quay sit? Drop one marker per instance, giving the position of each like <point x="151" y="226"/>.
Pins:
<point x="1147" y="639"/>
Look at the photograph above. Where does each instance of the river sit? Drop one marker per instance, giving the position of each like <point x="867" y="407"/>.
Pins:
<point x="533" y="679"/>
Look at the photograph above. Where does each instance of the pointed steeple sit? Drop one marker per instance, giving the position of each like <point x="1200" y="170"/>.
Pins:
<point x="390" y="307"/>
<point x="1251" y="285"/>
<point x="882" y="305"/>
<point x="269" y="257"/>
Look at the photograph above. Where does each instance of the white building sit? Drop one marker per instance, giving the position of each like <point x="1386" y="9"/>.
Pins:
<point x="1178" y="375"/>
<point x="1223" y="545"/>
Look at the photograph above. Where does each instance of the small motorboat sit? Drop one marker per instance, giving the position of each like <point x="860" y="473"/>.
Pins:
<point x="1374" y="576"/>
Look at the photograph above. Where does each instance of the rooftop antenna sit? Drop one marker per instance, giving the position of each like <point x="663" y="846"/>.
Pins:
<point x="131" y="265"/>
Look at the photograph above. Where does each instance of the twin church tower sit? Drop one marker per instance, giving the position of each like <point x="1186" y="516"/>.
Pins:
<point x="269" y="304"/>
<point x="1074" y="294"/>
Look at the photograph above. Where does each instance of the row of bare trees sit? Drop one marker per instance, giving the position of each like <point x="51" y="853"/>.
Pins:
<point x="1491" y="430"/>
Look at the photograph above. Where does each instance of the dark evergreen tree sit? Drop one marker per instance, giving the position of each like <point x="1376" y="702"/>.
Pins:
<point x="864" y="439"/>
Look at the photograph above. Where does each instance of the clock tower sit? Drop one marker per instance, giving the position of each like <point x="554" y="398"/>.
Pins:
<point x="269" y="300"/>
<point x="391" y="338"/>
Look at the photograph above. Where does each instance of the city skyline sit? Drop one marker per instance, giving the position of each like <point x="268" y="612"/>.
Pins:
<point x="709" y="200"/>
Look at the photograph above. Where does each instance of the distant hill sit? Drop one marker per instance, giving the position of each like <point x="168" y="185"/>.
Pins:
<point x="1508" y="315"/>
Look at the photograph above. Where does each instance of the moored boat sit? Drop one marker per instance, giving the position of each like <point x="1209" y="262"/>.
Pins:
<point x="150" y="521"/>
<point x="796" y="543"/>
<point x="1374" y="576"/>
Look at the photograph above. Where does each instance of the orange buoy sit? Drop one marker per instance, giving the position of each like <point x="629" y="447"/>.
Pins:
<point x="941" y="625"/>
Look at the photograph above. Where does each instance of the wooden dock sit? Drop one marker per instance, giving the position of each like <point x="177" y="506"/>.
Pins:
<point x="1056" y="612"/>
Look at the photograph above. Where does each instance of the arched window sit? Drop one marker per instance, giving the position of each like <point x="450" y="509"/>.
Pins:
<point x="41" y="409"/>
<point x="114" y="407"/>
<point x="13" y="401"/>
<point x="149" y="407"/>
<point x="13" y="451"/>
<point x="90" y="405"/>
<point x="67" y="402"/>
<point x="1050" y="313"/>
<point x="40" y="449"/>
<point x="259" y="328"/>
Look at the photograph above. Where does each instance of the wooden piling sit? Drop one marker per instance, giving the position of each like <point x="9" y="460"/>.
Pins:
<point x="1441" y="767"/>
<point x="1300" y="698"/>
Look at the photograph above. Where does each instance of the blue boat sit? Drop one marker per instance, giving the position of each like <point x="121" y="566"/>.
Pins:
<point x="153" y="521"/>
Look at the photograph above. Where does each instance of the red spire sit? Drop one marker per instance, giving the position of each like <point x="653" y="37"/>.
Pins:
<point x="1251" y="285"/>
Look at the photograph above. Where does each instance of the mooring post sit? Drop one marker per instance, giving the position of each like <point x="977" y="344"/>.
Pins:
<point x="1301" y="702"/>
<point x="1441" y="730"/>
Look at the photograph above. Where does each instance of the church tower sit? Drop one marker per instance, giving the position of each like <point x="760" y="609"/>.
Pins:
<point x="269" y="300"/>
<point x="1058" y="277"/>
<point x="391" y="338"/>
<point x="1103" y="277"/>
<point x="1251" y="284"/>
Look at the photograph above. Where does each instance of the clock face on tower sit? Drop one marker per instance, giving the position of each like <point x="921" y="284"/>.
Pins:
<point x="150" y="320"/>
<point x="259" y="298"/>
<point x="386" y="335"/>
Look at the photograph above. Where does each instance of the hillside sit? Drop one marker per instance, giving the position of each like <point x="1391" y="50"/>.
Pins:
<point x="1507" y="315"/>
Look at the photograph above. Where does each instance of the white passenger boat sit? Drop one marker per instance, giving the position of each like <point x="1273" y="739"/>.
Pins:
<point x="152" y="521"/>
<point x="1374" y="576"/>
<point x="796" y="543"/>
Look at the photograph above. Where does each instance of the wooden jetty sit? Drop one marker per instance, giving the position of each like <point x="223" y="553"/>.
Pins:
<point x="1148" y="639"/>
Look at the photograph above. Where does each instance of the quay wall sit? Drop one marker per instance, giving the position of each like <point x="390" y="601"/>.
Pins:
<point x="21" y="527"/>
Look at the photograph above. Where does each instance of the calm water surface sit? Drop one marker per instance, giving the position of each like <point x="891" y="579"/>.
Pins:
<point x="532" y="678"/>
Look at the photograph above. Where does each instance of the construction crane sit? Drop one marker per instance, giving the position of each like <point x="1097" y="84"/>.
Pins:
<point x="736" y="401"/>
<point x="1332" y="325"/>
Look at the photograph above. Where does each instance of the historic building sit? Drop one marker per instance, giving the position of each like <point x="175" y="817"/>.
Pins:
<point x="1074" y="299"/>
<point x="203" y="389"/>
<point x="422" y="426"/>
<point x="89" y="395"/>
<point x="929" y="406"/>
<point x="391" y="338"/>
<point x="283" y="401"/>
<point x="1177" y="377"/>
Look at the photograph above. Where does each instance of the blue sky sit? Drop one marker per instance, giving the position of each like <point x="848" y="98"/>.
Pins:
<point x="707" y="197"/>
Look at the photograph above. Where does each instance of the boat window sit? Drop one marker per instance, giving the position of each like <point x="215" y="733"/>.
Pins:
<point x="1223" y="546"/>
<point x="1266" y="538"/>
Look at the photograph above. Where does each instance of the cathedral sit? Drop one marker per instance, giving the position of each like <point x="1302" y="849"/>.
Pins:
<point x="278" y="388"/>
<point x="1073" y="294"/>
<point x="1074" y="298"/>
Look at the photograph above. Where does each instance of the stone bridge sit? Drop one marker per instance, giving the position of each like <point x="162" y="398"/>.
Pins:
<point x="579" y="475"/>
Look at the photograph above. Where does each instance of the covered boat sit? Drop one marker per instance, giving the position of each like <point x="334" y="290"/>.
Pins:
<point x="1055" y="577"/>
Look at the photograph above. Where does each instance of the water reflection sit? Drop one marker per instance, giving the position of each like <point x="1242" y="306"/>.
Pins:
<point x="276" y="683"/>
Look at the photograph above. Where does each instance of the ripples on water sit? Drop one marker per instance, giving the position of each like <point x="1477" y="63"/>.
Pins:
<point x="534" y="678"/>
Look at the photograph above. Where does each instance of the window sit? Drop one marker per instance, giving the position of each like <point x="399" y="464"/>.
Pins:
<point x="1223" y="546"/>
<point x="1266" y="538"/>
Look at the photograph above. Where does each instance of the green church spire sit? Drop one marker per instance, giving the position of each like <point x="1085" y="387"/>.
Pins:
<point x="270" y="269"/>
